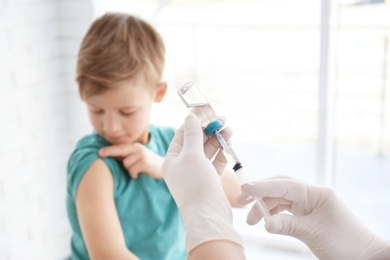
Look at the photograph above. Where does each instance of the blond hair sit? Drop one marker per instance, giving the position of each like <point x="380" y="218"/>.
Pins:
<point x="118" y="47"/>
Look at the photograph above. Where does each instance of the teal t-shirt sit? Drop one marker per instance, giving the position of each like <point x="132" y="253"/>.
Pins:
<point x="148" y="214"/>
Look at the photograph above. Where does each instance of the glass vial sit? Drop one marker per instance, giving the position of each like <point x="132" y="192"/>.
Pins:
<point x="194" y="100"/>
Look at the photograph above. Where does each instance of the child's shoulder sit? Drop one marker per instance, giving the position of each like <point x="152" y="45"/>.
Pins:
<point x="91" y="141"/>
<point x="83" y="156"/>
<point x="86" y="149"/>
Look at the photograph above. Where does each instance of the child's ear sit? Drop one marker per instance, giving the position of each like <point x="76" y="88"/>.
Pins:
<point x="160" y="91"/>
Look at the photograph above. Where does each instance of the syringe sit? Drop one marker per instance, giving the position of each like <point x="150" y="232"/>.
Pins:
<point x="197" y="104"/>
<point x="242" y="174"/>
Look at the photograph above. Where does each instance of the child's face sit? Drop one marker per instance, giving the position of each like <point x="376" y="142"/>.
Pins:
<point x="121" y="114"/>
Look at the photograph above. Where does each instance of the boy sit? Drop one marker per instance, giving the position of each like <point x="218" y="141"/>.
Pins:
<point x="118" y="204"/>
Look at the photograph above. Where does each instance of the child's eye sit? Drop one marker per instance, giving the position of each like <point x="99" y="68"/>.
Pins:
<point x="127" y="113"/>
<point x="97" y="111"/>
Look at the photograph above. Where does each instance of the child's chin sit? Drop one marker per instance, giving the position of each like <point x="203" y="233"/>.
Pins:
<point x="117" y="141"/>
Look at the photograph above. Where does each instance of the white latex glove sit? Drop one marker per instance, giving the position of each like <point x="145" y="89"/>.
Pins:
<point x="195" y="185"/>
<point x="319" y="219"/>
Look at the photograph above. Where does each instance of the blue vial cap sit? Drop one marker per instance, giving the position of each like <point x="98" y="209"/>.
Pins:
<point x="213" y="127"/>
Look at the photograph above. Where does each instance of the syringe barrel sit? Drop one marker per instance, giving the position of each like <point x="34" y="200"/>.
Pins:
<point x="243" y="176"/>
<point x="227" y="148"/>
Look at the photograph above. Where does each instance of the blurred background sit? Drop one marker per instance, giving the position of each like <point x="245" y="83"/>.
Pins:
<point x="304" y="84"/>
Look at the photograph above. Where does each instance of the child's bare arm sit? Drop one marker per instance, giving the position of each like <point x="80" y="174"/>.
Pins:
<point x="231" y="186"/>
<point x="136" y="158"/>
<point x="98" y="216"/>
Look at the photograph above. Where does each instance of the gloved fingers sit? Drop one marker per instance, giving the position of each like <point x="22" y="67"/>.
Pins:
<point x="222" y="119"/>
<point x="285" y="224"/>
<point x="280" y="208"/>
<point x="244" y="199"/>
<point x="254" y="215"/>
<point x="193" y="134"/>
<point x="211" y="145"/>
<point x="226" y="133"/>
<point x="280" y="177"/>
<point x="220" y="162"/>
<point x="276" y="202"/>
<point x="289" y="189"/>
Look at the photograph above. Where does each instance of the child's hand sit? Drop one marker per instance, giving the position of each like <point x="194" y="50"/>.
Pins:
<point x="136" y="158"/>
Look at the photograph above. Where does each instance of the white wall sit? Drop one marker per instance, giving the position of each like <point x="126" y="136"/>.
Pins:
<point x="38" y="122"/>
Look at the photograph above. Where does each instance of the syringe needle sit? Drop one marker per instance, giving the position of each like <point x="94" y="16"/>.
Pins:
<point x="242" y="175"/>
<point x="226" y="147"/>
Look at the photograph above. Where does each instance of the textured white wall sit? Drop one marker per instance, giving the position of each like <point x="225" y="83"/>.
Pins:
<point x="38" y="110"/>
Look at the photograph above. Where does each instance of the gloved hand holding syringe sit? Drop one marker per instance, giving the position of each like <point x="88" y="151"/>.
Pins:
<point x="198" y="104"/>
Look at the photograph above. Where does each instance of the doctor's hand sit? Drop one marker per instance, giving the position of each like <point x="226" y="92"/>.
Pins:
<point x="194" y="182"/>
<point x="319" y="219"/>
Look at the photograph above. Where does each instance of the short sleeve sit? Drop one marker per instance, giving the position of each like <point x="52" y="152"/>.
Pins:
<point x="79" y="163"/>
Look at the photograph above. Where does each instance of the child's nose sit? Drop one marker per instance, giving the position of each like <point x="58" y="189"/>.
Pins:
<point x="112" y="125"/>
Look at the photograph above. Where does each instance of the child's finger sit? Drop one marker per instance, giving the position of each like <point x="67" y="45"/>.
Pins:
<point x="116" y="150"/>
